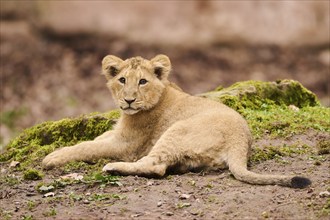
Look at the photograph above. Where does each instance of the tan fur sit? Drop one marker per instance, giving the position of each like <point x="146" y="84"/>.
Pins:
<point x="165" y="129"/>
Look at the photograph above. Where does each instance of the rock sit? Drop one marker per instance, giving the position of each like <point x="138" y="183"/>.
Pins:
<point x="184" y="196"/>
<point x="293" y="108"/>
<point x="150" y="183"/>
<point x="168" y="213"/>
<point x="257" y="94"/>
<point x="324" y="194"/>
<point x="50" y="194"/>
<point x="86" y="201"/>
<point x="14" y="164"/>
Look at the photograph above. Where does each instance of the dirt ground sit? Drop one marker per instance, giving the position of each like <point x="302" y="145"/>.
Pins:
<point x="206" y="195"/>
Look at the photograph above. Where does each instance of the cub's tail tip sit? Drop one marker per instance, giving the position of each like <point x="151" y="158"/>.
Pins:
<point x="300" y="182"/>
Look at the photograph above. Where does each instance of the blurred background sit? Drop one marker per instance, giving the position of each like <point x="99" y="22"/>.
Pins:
<point x="51" y="50"/>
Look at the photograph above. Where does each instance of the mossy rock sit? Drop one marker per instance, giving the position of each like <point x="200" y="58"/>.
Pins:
<point x="263" y="104"/>
<point x="36" y="142"/>
<point x="257" y="94"/>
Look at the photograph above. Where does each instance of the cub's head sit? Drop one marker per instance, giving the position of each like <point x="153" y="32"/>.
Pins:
<point x="136" y="84"/>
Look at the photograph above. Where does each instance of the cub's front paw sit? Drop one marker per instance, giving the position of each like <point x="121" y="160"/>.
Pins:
<point x="56" y="158"/>
<point x="114" y="168"/>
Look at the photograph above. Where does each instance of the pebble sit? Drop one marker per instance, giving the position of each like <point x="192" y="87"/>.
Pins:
<point x="159" y="204"/>
<point x="169" y="213"/>
<point x="195" y="212"/>
<point x="150" y="183"/>
<point x="324" y="194"/>
<point x="184" y="196"/>
<point x="86" y="201"/>
<point x="50" y="194"/>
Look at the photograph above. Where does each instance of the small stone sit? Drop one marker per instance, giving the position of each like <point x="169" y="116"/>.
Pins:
<point x="50" y="194"/>
<point x="184" y="196"/>
<point x="195" y="212"/>
<point x="14" y="164"/>
<point x="324" y="194"/>
<point x="136" y="215"/>
<point x="310" y="190"/>
<point x="169" y="213"/>
<point x="150" y="183"/>
<point x="159" y="204"/>
<point x="86" y="201"/>
<point x="293" y="108"/>
<point x="265" y="214"/>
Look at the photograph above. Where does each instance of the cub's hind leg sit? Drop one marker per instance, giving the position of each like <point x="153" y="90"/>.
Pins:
<point x="187" y="145"/>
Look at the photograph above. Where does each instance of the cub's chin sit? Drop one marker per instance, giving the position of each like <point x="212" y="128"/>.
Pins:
<point x="130" y="111"/>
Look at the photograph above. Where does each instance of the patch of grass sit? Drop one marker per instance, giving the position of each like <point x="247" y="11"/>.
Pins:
<point x="6" y="215"/>
<point x="49" y="213"/>
<point x="31" y="205"/>
<point x="257" y="94"/>
<point x="182" y="205"/>
<point x="102" y="179"/>
<point x="27" y="217"/>
<point x="32" y="174"/>
<point x="323" y="147"/>
<point x="11" y="180"/>
<point x="278" y="152"/>
<point x="100" y="197"/>
<point x="325" y="211"/>
<point x="280" y="121"/>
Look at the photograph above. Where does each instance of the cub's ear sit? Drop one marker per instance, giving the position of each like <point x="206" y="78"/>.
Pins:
<point x="162" y="66"/>
<point x="110" y="66"/>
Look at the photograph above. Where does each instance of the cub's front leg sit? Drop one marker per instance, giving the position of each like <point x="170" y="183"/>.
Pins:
<point x="112" y="147"/>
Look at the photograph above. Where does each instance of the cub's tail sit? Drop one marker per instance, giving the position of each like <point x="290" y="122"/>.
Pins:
<point x="238" y="168"/>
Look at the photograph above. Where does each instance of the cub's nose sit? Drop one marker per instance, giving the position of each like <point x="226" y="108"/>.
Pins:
<point x="129" y="101"/>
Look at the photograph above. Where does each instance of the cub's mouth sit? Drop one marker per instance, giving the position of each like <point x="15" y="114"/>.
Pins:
<point x="129" y="110"/>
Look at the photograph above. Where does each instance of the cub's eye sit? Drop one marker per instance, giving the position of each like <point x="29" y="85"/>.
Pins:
<point x="122" y="80"/>
<point x="143" y="81"/>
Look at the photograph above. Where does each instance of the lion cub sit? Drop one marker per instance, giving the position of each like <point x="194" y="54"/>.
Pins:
<point x="164" y="129"/>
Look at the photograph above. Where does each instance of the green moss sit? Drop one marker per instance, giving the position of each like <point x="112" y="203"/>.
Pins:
<point x="278" y="152"/>
<point x="280" y="121"/>
<point x="33" y="144"/>
<point x="32" y="174"/>
<point x="323" y="147"/>
<point x="257" y="94"/>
